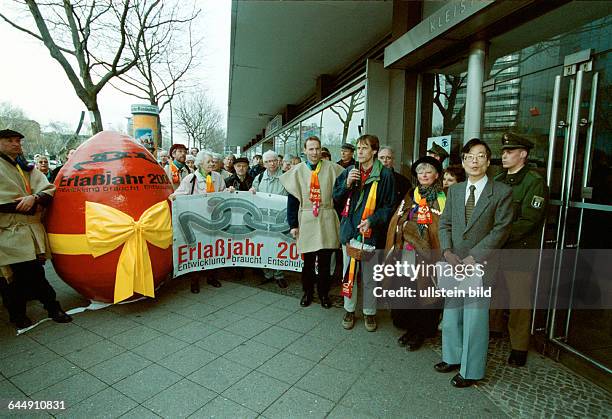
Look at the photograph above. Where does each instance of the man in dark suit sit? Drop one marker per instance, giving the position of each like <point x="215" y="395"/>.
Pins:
<point x="475" y="222"/>
<point x="402" y="184"/>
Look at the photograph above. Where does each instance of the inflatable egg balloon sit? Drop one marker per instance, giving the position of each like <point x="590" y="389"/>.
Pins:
<point x="109" y="224"/>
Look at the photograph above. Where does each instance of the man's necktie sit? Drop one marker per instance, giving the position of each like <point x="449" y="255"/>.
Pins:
<point x="469" y="205"/>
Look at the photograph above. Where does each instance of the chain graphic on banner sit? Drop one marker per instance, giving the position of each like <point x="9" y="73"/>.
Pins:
<point x="253" y="219"/>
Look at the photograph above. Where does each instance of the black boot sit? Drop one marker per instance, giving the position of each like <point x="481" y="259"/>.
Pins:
<point x="195" y="284"/>
<point x="59" y="316"/>
<point x="214" y="282"/>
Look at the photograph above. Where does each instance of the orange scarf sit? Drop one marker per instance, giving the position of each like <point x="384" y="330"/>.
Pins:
<point x="176" y="178"/>
<point x="315" y="190"/>
<point x="368" y="210"/>
<point x="26" y="182"/>
<point x="209" y="183"/>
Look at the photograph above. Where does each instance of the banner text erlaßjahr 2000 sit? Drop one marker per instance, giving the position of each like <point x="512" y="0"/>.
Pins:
<point x="226" y="229"/>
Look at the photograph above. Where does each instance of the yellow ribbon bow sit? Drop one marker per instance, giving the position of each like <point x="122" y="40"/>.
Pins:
<point x="107" y="228"/>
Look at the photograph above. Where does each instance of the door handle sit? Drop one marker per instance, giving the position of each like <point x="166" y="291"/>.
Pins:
<point x="572" y="246"/>
<point x="562" y="124"/>
<point x="550" y="242"/>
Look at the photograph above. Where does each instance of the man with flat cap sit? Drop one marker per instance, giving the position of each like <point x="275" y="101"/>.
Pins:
<point x="437" y="152"/>
<point x="346" y="155"/>
<point x="177" y="169"/>
<point x="529" y="198"/>
<point x="24" y="246"/>
<point x="240" y="180"/>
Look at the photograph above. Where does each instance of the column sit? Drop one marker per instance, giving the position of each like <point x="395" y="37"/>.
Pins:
<point x="474" y="101"/>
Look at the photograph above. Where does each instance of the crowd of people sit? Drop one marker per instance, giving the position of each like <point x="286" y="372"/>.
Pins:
<point x="336" y="211"/>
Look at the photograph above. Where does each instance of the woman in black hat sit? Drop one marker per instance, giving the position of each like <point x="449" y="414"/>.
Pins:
<point x="413" y="236"/>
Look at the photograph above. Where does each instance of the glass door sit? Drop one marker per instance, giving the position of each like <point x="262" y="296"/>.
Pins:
<point x="573" y="286"/>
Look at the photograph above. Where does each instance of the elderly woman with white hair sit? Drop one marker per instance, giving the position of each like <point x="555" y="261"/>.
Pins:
<point x="204" y="180"/>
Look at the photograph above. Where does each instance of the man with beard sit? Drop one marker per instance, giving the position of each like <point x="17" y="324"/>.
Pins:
<point x="177" y="170"/>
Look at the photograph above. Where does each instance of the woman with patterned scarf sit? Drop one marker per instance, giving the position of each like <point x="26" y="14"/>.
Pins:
<point x="414" y="229"/>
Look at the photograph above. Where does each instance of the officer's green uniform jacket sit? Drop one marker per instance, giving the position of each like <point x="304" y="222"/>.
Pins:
<point x="529" y="200"/>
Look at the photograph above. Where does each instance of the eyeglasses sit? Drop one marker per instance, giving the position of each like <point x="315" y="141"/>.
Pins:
<point x="477" y="157"/>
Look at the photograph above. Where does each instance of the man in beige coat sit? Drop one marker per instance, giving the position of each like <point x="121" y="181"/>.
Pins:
<point x="312" y="218"/>
<point x="23" y="240"/>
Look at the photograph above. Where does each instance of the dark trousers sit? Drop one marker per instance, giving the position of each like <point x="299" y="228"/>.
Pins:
<point x="310" y="278"/>
<point x="29" y="283"/>
<point x="422" y="321"/>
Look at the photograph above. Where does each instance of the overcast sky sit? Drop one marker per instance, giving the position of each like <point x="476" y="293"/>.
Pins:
<point x="35" y="82"/>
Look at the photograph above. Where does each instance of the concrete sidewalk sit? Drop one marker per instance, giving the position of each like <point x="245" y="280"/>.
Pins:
<point x="235" y="352"/>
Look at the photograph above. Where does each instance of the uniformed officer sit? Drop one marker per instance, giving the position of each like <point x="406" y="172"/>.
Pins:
<point x="529" y="197"/>
<point x="437" y="152"/>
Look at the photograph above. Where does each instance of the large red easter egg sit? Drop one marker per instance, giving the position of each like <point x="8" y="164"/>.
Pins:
<point x="111" y="169"/>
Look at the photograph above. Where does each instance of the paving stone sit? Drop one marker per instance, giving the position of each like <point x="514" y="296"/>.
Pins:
<point x="11" y="345"/>
<point x="270" y="314"/>
<point x="330" y="330"/>
<point x="299" y="323"/>
<point x="310" y="347"/>
<point x="343" y="412"/>
<point x="219" y="374"/>
<point x="112" y="327"/>
<point x="288" y="303"/>
<point x="277" y="337"/>
<point x="286" y="367"/>
<point x="75" y="341"/>
<point x="119" y="367"/>
<point x="72" y="390"/>
<point x="26" y="360"/>
<point x="166" y="322"/>
<point x="44" y="376"/>
<point x="194" y="331"/>
<point x="197" y="311"/>
<point x="248" y="327"/>
<point x="223" y="318"/>
<point x="265" y="298"/>
<point x="256" y="391"/>
<point x="8" y="391"/>
<point x="251" y="354"/>
<point x="220" y="342"/>
<point x="159" y="347"/>
<point x="245" y="307"/>
<point x="296" y="400"/>
<point x="139" y="412"/>
<point x="179" y="400"/>
<point x="108" y="403"/>
<point x="94" y="354"/>
<point x="135" y="337"/>
<point x="50" y="331"/>
<point x="224" y="408"/>
<point x="327" y="382"/>
<point x="187" y="360"/>
<point x="147" y="382"/>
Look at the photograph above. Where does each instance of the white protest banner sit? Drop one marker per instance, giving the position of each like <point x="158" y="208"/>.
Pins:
<point x="232" y="229"/>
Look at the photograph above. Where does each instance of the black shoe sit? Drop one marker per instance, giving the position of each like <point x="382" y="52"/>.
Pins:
<point x="60" y="316"/>
<point x="517" y="358"/>
<point x="444" y="367"/>
<point x="195" y="286"/>
<point x="22" y="322"/>
<point x="214" y="282"/>
<point x="403" y="339"/>
<point x="306" y="299"/>
<point x="414" y="343"/>
<point x="326" y="302"/>
<point x="460" y="382"/>
<point x="282" y="283"/>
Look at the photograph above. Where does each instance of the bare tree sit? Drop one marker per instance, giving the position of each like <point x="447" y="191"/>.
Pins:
<point x="200" y="120"/>
<point x="89" y="39"/>
<point x="167" y="50"/>
<point x="346" y="108"/>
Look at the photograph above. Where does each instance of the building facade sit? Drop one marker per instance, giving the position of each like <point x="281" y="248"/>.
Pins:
<point x="410" y="70"/>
